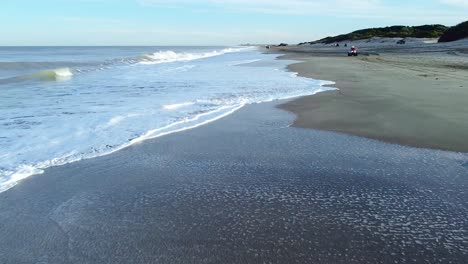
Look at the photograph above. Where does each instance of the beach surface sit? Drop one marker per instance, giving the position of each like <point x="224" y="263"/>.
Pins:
<point x="413" y="94"/>
<point x="244" y="189"/>
<point x="251" y="188"/>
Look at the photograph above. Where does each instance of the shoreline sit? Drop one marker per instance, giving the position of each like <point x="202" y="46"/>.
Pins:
<point x="408" y="99"/>
<point x="11" y="176"/>
<point x="246" y="188"/>
<point x="224" y="193"/>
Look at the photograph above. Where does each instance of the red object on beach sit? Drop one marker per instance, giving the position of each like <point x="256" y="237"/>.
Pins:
<point x="353" y="51"/>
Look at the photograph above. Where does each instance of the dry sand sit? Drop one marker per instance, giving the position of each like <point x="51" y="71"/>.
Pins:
<point x="414" y="95"/>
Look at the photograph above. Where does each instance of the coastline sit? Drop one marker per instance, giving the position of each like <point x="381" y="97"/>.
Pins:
<point x="247" y="188"/>
<point x="127" y="122"/>
<point x="408" y="97"/>
<point x="244" y="189"/>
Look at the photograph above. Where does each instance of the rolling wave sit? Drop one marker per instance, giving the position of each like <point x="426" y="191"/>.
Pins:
<point x="47" y="75"/>
<point x="52" y="75"/>
<point x="171" y="56"/>
<point x="129" y="103"/>
<point x="63" y="72"/>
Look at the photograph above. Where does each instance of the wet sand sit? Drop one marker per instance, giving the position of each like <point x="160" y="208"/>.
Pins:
<point x="245" y="189"/>
<point x="414" y="96"/>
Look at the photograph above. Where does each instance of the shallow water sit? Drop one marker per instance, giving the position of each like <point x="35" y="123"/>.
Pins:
<point x="61" y="104"/>
<point x="244" y="189"/>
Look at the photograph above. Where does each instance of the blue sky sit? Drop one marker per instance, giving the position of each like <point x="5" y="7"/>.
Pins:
<point x="208" y="22"/>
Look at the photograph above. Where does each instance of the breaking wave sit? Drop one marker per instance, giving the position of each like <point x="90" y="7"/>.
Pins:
<point x="11" y="178"/>
<point x="52" y="75"/>
<point x="103" y="112"/>
<point x="171" y="56"/>
<point x="47" y="75"/>
<point x="66" y="72"/>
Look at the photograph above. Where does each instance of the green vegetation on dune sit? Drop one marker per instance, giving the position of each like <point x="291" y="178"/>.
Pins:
<point x="457" y="32"/>
<point x="426" y="31"/>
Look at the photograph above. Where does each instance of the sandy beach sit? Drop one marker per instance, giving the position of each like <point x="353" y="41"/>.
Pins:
<point x="244" y="189"/>
<point x="251" y="188"/>
<point x="413" y="95"/>
<point x="234" y="132"/>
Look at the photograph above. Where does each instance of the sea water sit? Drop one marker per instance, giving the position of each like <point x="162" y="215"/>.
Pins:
<point x="63" y="104"/>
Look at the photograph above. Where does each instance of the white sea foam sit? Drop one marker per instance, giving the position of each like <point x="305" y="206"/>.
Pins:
<point x="63" y="72"/>
<point x="171" y="56"/>
<point x="99" y="113"/>
<point x="59" y="74"/>
<point x="189" y="123"/>
<point x="177" y="106"/>
<point x="118" y="119"/>
<point x="22" y="172"/>
<point x="52" y="75"/>
<point x="238" y="63"/>
<point x="182" y="68"/>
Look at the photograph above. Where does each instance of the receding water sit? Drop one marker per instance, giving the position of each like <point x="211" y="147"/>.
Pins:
<point x="61" y="104"/>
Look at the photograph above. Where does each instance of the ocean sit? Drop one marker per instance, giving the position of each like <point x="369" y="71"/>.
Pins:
<point x="63" y="104"/>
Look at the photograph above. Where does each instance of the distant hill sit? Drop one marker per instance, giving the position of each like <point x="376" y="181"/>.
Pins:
<point x="457" y="32"/>
<point x="426" y="31"/>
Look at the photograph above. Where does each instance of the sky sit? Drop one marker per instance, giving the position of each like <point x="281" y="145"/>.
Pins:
<point x="208" y="22"/>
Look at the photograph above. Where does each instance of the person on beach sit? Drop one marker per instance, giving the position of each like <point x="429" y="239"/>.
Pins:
<point x="353" y="51"/>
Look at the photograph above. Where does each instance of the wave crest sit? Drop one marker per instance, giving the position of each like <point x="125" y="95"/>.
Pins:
<point x="53" y="75"/>
<point x="171" y="56"/>
<point x="47" y="75"/>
